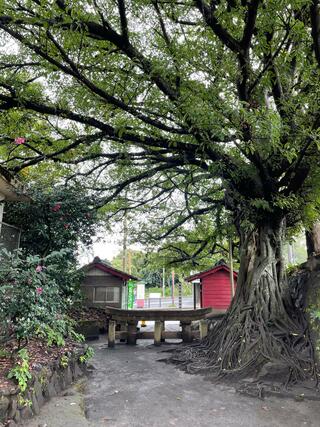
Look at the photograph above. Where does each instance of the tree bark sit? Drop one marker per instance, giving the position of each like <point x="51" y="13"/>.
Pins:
<point x="263" y="324"/>
<point x="313" y="240"/>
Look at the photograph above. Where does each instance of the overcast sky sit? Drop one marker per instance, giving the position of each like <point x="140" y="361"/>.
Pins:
<point x="103" y="249"/>
<point x="106" y="247"/>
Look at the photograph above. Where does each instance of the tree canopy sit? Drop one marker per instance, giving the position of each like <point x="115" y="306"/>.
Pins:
<point x="219" y="100"/>
<point x="185" y="109"/>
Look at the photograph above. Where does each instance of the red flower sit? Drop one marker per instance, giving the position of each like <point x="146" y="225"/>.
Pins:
<point x="19" y="140"/>
<point x="66" y="226"/>
<point x="39" y="291"/>
<point x="39" y="268"/>
<point x="56" y="207"/>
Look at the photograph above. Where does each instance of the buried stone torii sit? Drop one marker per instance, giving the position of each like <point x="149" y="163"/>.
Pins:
<point x="130" y="318"/>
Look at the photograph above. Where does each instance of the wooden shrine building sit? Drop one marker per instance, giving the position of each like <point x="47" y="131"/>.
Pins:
<point x="212" y="287"/>
<point x="104" y="285"/>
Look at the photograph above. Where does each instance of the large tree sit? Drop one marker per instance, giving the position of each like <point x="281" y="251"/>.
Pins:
<point x="213" y="103"/>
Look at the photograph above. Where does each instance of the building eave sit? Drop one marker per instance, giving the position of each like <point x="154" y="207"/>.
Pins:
<point x="111" y="270"/>
<point x="211" y="270"/>
<point x="11" y="188"/>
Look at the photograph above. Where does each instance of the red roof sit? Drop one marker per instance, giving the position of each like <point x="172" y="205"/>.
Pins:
<point x="97" y="263"/>
<point x="210" y="271"/>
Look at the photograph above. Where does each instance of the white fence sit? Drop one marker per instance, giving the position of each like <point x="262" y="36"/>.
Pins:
<point x="168" y="302"/>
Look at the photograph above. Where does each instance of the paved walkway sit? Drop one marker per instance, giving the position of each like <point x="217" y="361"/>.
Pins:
<point x="130" y="387"/>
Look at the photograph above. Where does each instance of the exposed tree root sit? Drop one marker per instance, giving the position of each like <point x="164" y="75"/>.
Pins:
<point x="232" y="349"/>
<point x="265" y="330"/>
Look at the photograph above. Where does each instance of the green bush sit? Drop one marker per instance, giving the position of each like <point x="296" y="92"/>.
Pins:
<point x="31" y="302"/>
<point x="87" y="355"/>
<point x="57" y="218"/>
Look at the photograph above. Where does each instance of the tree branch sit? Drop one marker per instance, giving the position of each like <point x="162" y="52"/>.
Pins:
<point x="123" y="19"/>
<point x="315" y="27"/>
<point x="216" y="27"/>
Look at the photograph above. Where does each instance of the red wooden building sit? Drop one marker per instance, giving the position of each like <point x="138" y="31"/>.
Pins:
<point x="212" y="288"/>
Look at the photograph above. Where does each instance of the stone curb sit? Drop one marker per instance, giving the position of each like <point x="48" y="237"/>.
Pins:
<point x="47" y="381"/>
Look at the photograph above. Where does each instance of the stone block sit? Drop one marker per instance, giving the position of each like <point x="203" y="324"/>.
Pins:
<point x="4" y="406"/>
<point x="68" y="375"/>
<point x="186" y="332"/>
<point x="38" y="392"/>
<point x="62" y="381"/>
<point x="35" y="404"/>
<point x="71" y="367"/>
<point x="50" y="391"/>
<point x="17" y="416"/>
<point x="111" y="333"/>
<point x="55" y="382"/>
<point x="26" y="412"/>
<point x="77" y="371"/>
<point x="13" y="407"/>
<point x="47" y="383"/>
<point x="157" y="332"/>
<point x="132" y="333"/>
<point x="203" y="326"/>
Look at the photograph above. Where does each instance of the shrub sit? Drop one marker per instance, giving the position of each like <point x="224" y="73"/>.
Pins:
<point x="56" y="218"/>
<point x="31" y="302"/>
<point x="21" y="371"/>
<point x="87" y="355"/>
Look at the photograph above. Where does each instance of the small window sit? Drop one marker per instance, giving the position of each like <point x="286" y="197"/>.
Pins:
<point x="100" y="294"/>
<point x="106" y="294"/>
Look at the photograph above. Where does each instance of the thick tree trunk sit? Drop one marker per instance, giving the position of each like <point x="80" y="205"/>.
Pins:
<point x="262" y="325"/>
<point x="313" y="240"/>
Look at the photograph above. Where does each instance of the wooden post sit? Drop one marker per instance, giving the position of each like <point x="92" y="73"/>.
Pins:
<point x="203" y="328"/>
<point x="129" y="261"/>
<point x="186" y="332"/>
<point x="163" y="282"/>
<point x="172" y="288"/>
<point x="111" y="333"/>
<point x="125" y="240"/>
<point x="132" y="333"/>
<point x="157" y="332"/>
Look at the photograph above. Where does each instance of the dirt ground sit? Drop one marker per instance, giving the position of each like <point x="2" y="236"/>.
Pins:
<point x="130" y="387"/>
